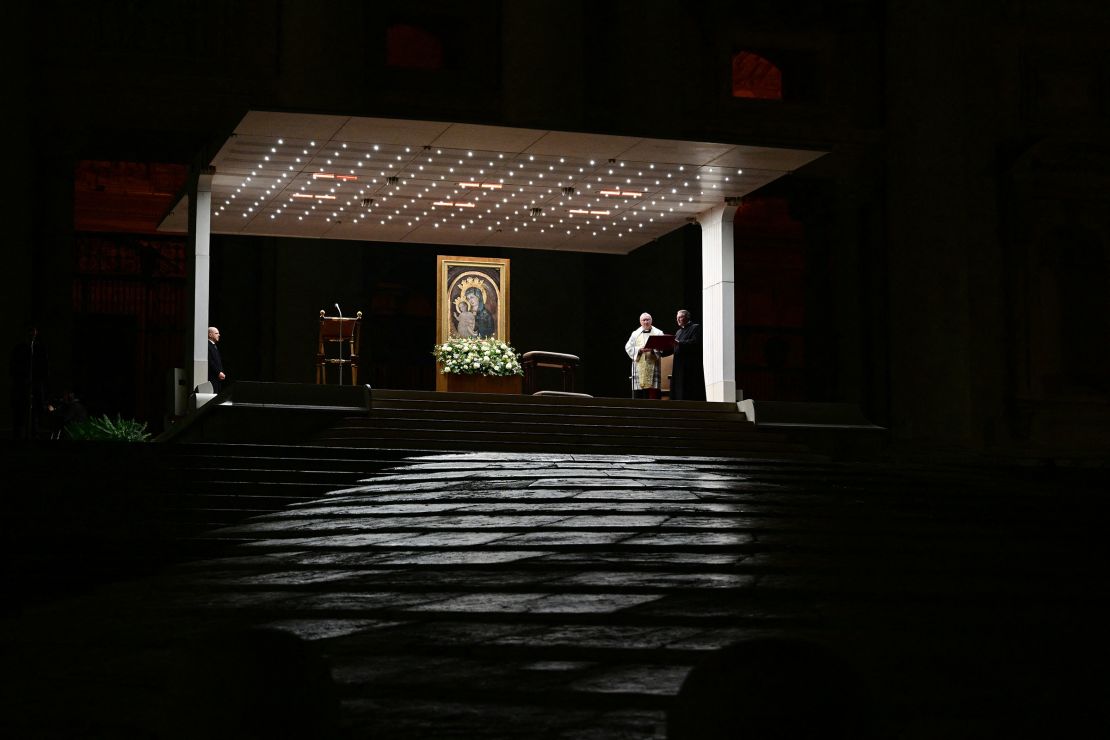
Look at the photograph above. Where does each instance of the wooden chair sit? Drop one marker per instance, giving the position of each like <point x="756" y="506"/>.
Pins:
<point x="666" y="366"/>
<point x="338" y="344"/>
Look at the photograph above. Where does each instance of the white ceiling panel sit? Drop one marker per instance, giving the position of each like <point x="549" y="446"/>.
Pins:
<point x="766" y="158"/>
<point x="675" y="152"/>
<point x="379" y="179"/>
<point x="599" y="147"/>
<point x="465" y="136"/>
<point x="390" y="131"/>
<point x="267" y="124"/>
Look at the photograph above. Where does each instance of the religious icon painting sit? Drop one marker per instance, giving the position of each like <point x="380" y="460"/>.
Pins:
<point x="472" y="298"/>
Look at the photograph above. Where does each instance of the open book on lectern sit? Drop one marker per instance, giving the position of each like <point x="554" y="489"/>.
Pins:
<point x="661" y="342"/>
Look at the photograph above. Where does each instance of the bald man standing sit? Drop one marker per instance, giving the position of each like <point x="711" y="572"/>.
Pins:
<point x="215" y="365"/>
<point x="645" y="362"/>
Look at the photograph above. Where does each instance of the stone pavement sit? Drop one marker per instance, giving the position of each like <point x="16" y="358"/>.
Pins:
<point x="502" y="595"/>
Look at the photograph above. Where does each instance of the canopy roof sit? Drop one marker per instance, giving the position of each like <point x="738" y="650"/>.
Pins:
<point x="392" y="180"/>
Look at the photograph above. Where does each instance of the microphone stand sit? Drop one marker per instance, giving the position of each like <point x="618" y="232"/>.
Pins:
<point x="31" y="391"/>
<point x="340" y="310"/>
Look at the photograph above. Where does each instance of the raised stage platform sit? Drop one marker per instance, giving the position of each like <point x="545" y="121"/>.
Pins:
<point x="331" y="416"/>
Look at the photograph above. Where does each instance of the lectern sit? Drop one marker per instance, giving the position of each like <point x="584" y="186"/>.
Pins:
<point x="337" y="345"/>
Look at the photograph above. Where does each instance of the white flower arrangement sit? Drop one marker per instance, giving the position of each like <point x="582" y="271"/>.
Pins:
<point x="477" y="357"/>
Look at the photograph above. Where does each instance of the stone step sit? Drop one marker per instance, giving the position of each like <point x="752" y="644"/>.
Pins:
<point x="552" y="403"/>
<point x="558" y="429"/>
<point x="472" y="440"/>
<point x="519" y="415"/>
<point x="502" y="422"/>
<point x="525" y="405"/>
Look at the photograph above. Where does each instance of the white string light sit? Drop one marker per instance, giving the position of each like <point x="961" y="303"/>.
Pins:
<point x="544" y="207"/>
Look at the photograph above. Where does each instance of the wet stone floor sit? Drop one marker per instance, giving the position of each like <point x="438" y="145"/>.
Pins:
<point x="569" y="596"/>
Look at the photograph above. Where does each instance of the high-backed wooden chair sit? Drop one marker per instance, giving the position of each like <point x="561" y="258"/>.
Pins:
<point x="338" y="344"/>
<point x="666" y="368"/>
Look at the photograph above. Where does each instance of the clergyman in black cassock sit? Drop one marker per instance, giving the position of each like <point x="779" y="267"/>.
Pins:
<point x="687" y="372"/>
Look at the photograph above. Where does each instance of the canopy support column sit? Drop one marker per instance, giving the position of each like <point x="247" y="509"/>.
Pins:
<point x="200" y="236"/>
<point x="718" y="300"/>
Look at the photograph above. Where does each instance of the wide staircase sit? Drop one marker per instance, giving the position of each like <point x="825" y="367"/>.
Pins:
<point x="78" y="513"/>
<point x="417" y="420"/>
<point x="125" y="508"/>
<point x="501" y="596"/>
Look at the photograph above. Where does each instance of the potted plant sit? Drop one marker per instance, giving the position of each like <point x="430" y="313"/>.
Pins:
<point x="105" y="428"/>
<point x="478" y="366"/>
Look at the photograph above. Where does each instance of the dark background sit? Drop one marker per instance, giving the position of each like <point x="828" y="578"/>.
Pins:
<point x="944" y="267"/>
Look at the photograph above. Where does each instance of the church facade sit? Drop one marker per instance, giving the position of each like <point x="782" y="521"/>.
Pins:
<point x="944" y="266"/>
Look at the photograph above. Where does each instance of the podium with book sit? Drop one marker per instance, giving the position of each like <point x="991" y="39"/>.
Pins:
<point x="661" y="342"/>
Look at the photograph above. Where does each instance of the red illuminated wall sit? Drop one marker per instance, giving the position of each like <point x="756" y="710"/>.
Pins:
<point x="755" y="77"/>
<point x="128" y="288"/>
<point x="771" y="351"/>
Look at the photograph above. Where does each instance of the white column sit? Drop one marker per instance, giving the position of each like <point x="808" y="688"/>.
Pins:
<point x="718" y="302"/>
<point x="200" y="231"/>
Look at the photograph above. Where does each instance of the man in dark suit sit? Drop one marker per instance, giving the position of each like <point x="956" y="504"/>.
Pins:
<point x="215" y="365"/>
<point x="687" y="373"/>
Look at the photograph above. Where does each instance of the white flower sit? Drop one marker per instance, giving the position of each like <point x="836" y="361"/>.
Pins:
<point x="477" y="357"/>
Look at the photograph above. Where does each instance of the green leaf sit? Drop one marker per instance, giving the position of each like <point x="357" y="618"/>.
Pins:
<point x="105" y="428"/>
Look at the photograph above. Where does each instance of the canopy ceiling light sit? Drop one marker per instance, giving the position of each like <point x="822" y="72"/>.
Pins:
<point x="423" y="181"/>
